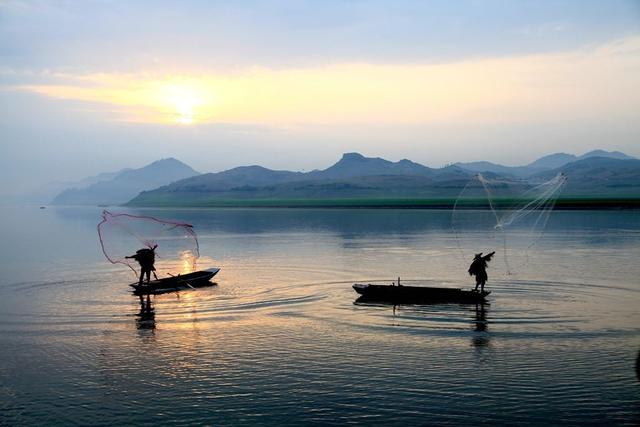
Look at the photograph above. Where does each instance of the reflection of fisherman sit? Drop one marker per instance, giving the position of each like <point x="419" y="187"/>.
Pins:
<point x="478" y="268"/>
<point x="146" y="258"/>
<point x="146" y="316"/>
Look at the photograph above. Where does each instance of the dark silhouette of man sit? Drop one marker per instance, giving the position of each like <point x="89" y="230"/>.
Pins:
<point x="146" y="258"/>
<point x="478" y="268"/>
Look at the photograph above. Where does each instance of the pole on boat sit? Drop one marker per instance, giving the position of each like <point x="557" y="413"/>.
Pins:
<point x="180" y="280"/>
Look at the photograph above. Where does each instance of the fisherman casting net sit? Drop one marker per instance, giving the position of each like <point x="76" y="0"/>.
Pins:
<point x="121" y="235"/>
<point x="505" y="215"/>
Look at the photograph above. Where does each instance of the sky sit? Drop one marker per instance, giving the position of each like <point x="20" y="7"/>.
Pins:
<point x="96" y="86"/>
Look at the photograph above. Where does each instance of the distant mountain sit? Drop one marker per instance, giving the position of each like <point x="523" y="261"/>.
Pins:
<point x="608" y="154"/>
<point x="117" y="188"/>
<point x="600" y="176"/>
<point x="552" y="161"/>
<point x="545" y="163"/>
<point x="355" y="164"/>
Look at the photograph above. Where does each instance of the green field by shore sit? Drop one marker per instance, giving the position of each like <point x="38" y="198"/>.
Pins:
<point x="405" y="203"/>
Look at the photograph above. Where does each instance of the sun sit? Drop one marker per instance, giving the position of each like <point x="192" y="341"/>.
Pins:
<point x="181" y="101"/>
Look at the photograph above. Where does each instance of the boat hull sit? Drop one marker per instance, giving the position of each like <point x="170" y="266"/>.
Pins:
<point x="417" y="294"/>
<point x="197" y="279"/>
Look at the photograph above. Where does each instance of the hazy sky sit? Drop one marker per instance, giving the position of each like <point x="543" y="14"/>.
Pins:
<point x="94" y="86"/>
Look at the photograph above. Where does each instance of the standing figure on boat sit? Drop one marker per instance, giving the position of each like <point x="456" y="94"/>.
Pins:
<point x="478" y="268"/>
<point x="146" y="258"/>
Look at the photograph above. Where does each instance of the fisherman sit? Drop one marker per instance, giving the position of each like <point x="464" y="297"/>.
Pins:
<point x="146" y="258"/>
<point x="478" y="268"/>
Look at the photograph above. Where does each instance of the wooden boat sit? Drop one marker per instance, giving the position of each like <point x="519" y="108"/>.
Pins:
<point x="401" y="294"/>
<point x="197" y="279"/>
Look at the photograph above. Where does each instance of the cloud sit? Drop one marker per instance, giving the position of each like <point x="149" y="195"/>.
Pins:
<point x="585" y="83"/>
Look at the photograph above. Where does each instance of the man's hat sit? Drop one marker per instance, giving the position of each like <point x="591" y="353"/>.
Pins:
<point x="478" y="255"/>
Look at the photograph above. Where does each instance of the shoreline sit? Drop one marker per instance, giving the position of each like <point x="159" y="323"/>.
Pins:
<point x="561" y="204"/>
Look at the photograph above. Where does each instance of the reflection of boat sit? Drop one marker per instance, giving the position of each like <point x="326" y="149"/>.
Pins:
<point x="197" y="279"/>
<point x="401" y="294"/>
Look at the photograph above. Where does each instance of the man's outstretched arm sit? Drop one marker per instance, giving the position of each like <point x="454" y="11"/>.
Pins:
<point x="488" y="257"/>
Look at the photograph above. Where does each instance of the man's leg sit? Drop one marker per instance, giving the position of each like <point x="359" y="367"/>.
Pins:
<point x="141" y="277"/>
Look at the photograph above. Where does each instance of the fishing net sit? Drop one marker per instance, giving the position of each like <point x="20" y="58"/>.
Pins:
<point x="122" y="234"/>
<point x="503" y="215"/>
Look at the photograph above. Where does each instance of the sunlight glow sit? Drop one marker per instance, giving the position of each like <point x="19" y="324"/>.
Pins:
<point x="584" y="83"/>
<point x="188" y="263"/>
<point x="183" y="99"/>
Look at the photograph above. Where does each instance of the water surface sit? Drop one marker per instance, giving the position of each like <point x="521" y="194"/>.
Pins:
<point x="280" y="341"/>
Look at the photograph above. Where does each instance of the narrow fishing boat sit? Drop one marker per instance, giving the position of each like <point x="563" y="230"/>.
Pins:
<point x="401" y="294"/>
<point x="197" y="279"/>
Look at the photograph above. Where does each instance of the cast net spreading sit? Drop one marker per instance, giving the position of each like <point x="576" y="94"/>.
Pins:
<point x="122" y="234"/>
<point x="504" y="215"/>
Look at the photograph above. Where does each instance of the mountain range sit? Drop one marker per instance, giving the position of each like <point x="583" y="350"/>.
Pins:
<point x="169" y="182"/>
<point x="596" y="174"/>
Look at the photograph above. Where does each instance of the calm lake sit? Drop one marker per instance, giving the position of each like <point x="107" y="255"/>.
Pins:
<point x="280" y="341"/>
